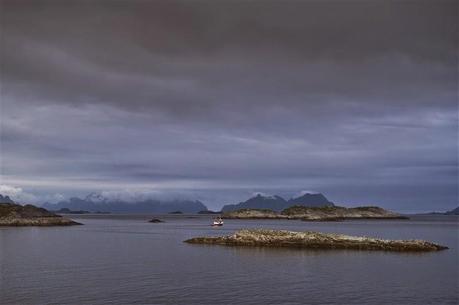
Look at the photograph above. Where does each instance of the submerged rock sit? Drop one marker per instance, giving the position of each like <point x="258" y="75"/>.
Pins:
<point x="314" y="240"/>
<point x="327" y="213"/>
<point x="29" y="215"/>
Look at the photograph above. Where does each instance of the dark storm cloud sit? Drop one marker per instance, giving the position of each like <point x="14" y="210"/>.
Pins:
<point x="213" y="95"/>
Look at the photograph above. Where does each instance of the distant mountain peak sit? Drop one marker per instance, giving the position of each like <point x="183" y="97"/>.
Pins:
<point x="265" y="197"/>
<point x="277" y="203"/>
<point x="6" y="199"/>
<point x="95" y="197"/>
<point x="311" y="200"/>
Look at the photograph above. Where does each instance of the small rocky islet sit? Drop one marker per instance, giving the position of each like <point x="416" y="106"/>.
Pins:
<point x="315" y="240"/>
<point x="12" y="214"/>
<point x="155" y="220"/>
<point x="325" y="213"/>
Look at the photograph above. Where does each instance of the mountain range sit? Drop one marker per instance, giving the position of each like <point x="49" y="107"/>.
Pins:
<point x="277" y="203"/>
<point x="96" y="202"/>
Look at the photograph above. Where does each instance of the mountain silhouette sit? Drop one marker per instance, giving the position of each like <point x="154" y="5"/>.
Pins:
<point x="96" y="202"/>
<point x="277" y="203"/>
<point x="310" y="200"/>
<point x="453" y="212"/>
<point x="6" y="199"/>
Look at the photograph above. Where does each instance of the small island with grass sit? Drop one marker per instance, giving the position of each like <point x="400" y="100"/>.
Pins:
<point x="315" y="240"/>
<point x="12" y="214"/>
<point x="325" y="213"/>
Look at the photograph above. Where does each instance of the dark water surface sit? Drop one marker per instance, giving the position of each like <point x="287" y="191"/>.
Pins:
<point x="122" y="259"/>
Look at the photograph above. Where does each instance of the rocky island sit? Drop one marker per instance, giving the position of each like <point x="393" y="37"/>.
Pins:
<point x="315" y="240"/>
<point x="253" y="214"/>
<point x="155" y="220"/>
<point x="326" y="213"/>
<point x="28" y="215"/>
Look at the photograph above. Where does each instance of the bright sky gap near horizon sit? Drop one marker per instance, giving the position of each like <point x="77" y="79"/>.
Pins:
<point x="218" y="100"/>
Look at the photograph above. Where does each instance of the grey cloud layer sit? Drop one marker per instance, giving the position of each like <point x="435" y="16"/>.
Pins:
<point x="343" y="97"/>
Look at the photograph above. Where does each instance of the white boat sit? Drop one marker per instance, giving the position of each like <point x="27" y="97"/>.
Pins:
<point x="218" y="222"/>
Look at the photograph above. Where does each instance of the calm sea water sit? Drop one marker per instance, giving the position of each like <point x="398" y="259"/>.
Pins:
<point x="122" y="259"/>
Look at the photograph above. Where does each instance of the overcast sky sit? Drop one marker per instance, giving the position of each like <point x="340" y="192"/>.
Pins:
<point x="215" y="100"/>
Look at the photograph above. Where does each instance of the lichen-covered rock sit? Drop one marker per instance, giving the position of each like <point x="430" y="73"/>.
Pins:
<point x="29" y="215"/>
<point x="315" y="240"/>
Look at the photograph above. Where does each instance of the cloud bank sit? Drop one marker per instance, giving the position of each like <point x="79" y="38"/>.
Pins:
<point x="356" y="100"/>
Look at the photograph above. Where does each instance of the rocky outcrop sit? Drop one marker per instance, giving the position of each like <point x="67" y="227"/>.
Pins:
<point x="155" y="220"/>
<point x="29" y="215"/>
<point x="315" y="240"/>
<point x="176" y="212"/>
<point x="328" y="213"/>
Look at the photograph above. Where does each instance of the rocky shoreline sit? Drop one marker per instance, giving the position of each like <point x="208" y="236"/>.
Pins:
<point x="327" y="213"/>
<point x="315" y="240"/>
<point x="29" y="215"/>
